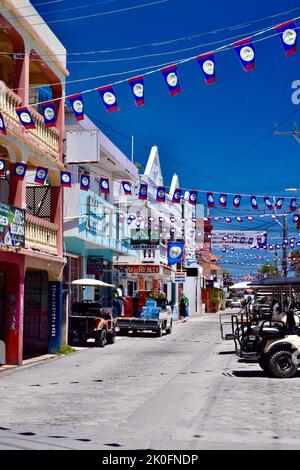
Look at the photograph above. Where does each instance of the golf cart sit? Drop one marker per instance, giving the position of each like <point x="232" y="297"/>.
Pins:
<point x="271" y="338"/>
<point x="88" y="319"/>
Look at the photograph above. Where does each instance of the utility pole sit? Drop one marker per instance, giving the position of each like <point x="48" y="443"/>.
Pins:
<point x="132" y="147"/>
<point x="284" y="247"/>
<point x="276" y="259"/>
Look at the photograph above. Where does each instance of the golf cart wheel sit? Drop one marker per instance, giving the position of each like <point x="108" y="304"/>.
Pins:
<point x="122" y="332"/>
<point x="169" y="330"/>
<point x="281" y="364"/>
<point x="111" y="337"/>
<point x="264" y="364"/>
<point x="100" y="338"/>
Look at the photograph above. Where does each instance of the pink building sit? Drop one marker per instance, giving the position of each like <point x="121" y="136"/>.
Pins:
<point x="33" y="69"/>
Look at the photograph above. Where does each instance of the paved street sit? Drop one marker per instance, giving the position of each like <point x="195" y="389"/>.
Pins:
<point x="183" y="391"/>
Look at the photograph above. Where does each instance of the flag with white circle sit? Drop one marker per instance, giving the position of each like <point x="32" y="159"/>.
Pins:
<point x="223" y="200"/>
<point x="279" y="203"/>
<point x="143" y="191"/>
<point x="293" y="204"/>
<point x="161" y="194"/>
<point x="210" y="200"/>
<point x="41" y="175"/>
<point x="171" y="78"/>
<point x="20" y="170"/>
<point x="177" y="195"/>
<point x="49" y="113"/>
<point x="76" y="102"/>
<point x="85" y="182"/>
<point x="126" y="188"/>
<point x="288" y="36"/>
<point x="268" y="202"/>
<point x="254" y="202"/>
<point x="246" y="53"/>
<point x="104" y="185"/>
<point x="2" y="125"/>
<point x="207" y="65"/>
<point x="137" y="88"/>
<point x="65" y="179"/>
<point x="25" y="117"/>
<point x="2" y="166"/>
<point x="237" y="201"/>
<point x="108" y="97"/>
<point x="193" y="197"/>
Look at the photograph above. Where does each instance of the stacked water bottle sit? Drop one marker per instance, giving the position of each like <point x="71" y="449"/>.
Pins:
<point x="150" y="311"/>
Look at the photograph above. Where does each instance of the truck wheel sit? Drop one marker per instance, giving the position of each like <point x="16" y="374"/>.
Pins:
<point x="169" y="330"/>
<point x="281" y="364"/>
<point x="159" y="331"/>
<point x="111" y="337"/>
<point x="122" y="332"/>
<point x="100" y="338"/>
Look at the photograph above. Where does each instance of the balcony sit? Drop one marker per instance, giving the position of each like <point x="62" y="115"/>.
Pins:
<point x="46" y="139"/>
<point x="40" y="235"/>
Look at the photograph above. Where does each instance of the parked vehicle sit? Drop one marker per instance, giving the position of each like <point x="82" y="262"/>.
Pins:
<point x="236" y="303"/>
<point x="89" y="320"/>
<point x="272" y="339"/>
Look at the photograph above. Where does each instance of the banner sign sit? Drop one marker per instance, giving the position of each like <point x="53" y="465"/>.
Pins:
<point x="207" y="65"/>
<point x="137" y="88"/>
<point x="94" y="265"/>
<point x="138" y="269"/>
<point x="55" y="316"/>
<point x="12" y="225"/>
<point x="246" y="53"/>
<point x="288" y="36"/>
<point x="76" y="101"/>
<point x="144" y="239"/>
<point x="238" y="239"/>
<point x="175" y="252"/>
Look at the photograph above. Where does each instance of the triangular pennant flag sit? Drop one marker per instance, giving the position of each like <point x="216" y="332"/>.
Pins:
<point x="161" y="194"/>
<point x="268" y="202"/>
<point x="279" y="203"/>
<point x="25" y="117"/>
<point x="41" y="175"/>
<point x="143" y="191"/>
<point x="85" y="182"/>
<point x="49" y="113"/>
<point x="237" y="201"/>
<point x="171" y="78"/>
<point x="20" y="170"/>
<point x="288" y="35"/>
<point x="177" y="195"/>
<point x="254" y="202"/>
<point x="207" y="65"/>
<point x="2" y="125"/>
<point x="104" y="185"/>
<point x="76" y="102"/>
<point x="193" y="197"/>
<point x="137" y="88"/>
<point x="210" y="200"/>
<point x="126" y="188"/>
<point x="246" y="53"/>
<point x="293" y="204"/>
<point x="2" y="166"/>
<point x="108" y="97"/>
<point x="223" y="200"/>
<point x="65" y="179"/>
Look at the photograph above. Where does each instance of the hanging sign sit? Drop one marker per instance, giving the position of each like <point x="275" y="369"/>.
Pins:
<point x="12" y="225"/>
<point x="288" y="36"/>
<point x="104" y="185"/>
<point x="207" y="65"/>
<point x="171" y="78"/>
<point x="84" y="182"/>
<point x="49" y="113"/>
<point x="210" y="200"/>
<point x="41" y="175"/>
<point x="223" y="200"/>
<point x="193" y="197"/>
<point x="143" y="192"/>
<point x="20" y="170"/>
<point x="137" y="88"/>
<point x="161" y="194"/>
<point x="246" y="53"/>
<point x="126" y="188"/>
<point x="25" y="117"/>
<point x="239" y="239"/>
<point x="2" y="125"/>
<point x="76" y="101"/>
<point x="237" y="201"/>
<point x="65" y="179"/>
<point x="177" y="195"/>
<point x="108" y="97"/>
<point x="175" y="252"/>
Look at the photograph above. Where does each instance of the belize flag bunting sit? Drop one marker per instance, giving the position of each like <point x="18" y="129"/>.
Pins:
<point x="2" y="125"/>
<point x="237" y="201"/>
<point x="210" y="200"/>
<point x="76" y="101"/>
<point x="143" y="192"/>
<point x="254" y="202"/>
<point x="161" y="194"/>
<point x="127" y="188"/>
<point x="108" y="97"/>
<point x="171" y="78"/>
<point x="193" y="197"/>
<point x="175" y="252"/>
<point x="2" y="166"/>
<point x="279" y="203"/>
<point x="239" y="219"/>
<point x="137" y="88"/>
<point x="84" y="182"/>
<point x="49" y="113"/>
<point x="228" y="220"/>
<point x="288" y="36"/>
<point x="20" y="170"/>
<point x="268" y="202"/>
<point x="293" y="204"/>
<point x="207" y="65"/>
<point x="246" y="53"/>
<point x="25" y="117"/>
<point x="177" y="195"/>
<point x="65" y="179"/>
<point x="104" y="185"/>
<point x="295" y="218"/>
<point x="223" y="200"/>
<point x="41" y="175"/>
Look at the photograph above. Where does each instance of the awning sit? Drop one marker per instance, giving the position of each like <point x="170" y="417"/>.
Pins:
<point x="91" y="283"/>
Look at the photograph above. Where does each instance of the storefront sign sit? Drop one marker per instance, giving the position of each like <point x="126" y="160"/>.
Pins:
<point x="144" y="239"/>
<point x="55" y="316"/>
<point x="12" y="225"/>
<point x="138" y="269"/>
<point x="239" y="239"/>
<point x="94" y="265"/>
<point x="180" y="276"/>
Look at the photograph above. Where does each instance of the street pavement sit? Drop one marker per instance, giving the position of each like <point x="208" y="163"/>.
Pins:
<point x="182" y="391"/>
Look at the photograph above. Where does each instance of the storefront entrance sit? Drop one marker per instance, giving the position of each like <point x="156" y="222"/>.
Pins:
<point x="35" y="340"/>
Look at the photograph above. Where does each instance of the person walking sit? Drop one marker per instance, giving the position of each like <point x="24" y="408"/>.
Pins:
<point x="182" y="310"/>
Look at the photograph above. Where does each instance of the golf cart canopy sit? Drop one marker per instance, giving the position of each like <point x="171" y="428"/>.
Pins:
<point x="277" y="282"/>
<point x="91" y="283"/>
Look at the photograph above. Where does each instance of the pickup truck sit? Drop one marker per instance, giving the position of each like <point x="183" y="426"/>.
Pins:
<point x="157" y="325"/>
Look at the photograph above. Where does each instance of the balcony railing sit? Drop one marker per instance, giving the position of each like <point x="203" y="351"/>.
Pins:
<point x="40" y="235"/>
<point x="48" y="138"/>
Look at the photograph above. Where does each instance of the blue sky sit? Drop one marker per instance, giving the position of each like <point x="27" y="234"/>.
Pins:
<point x="202" y="132"/>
